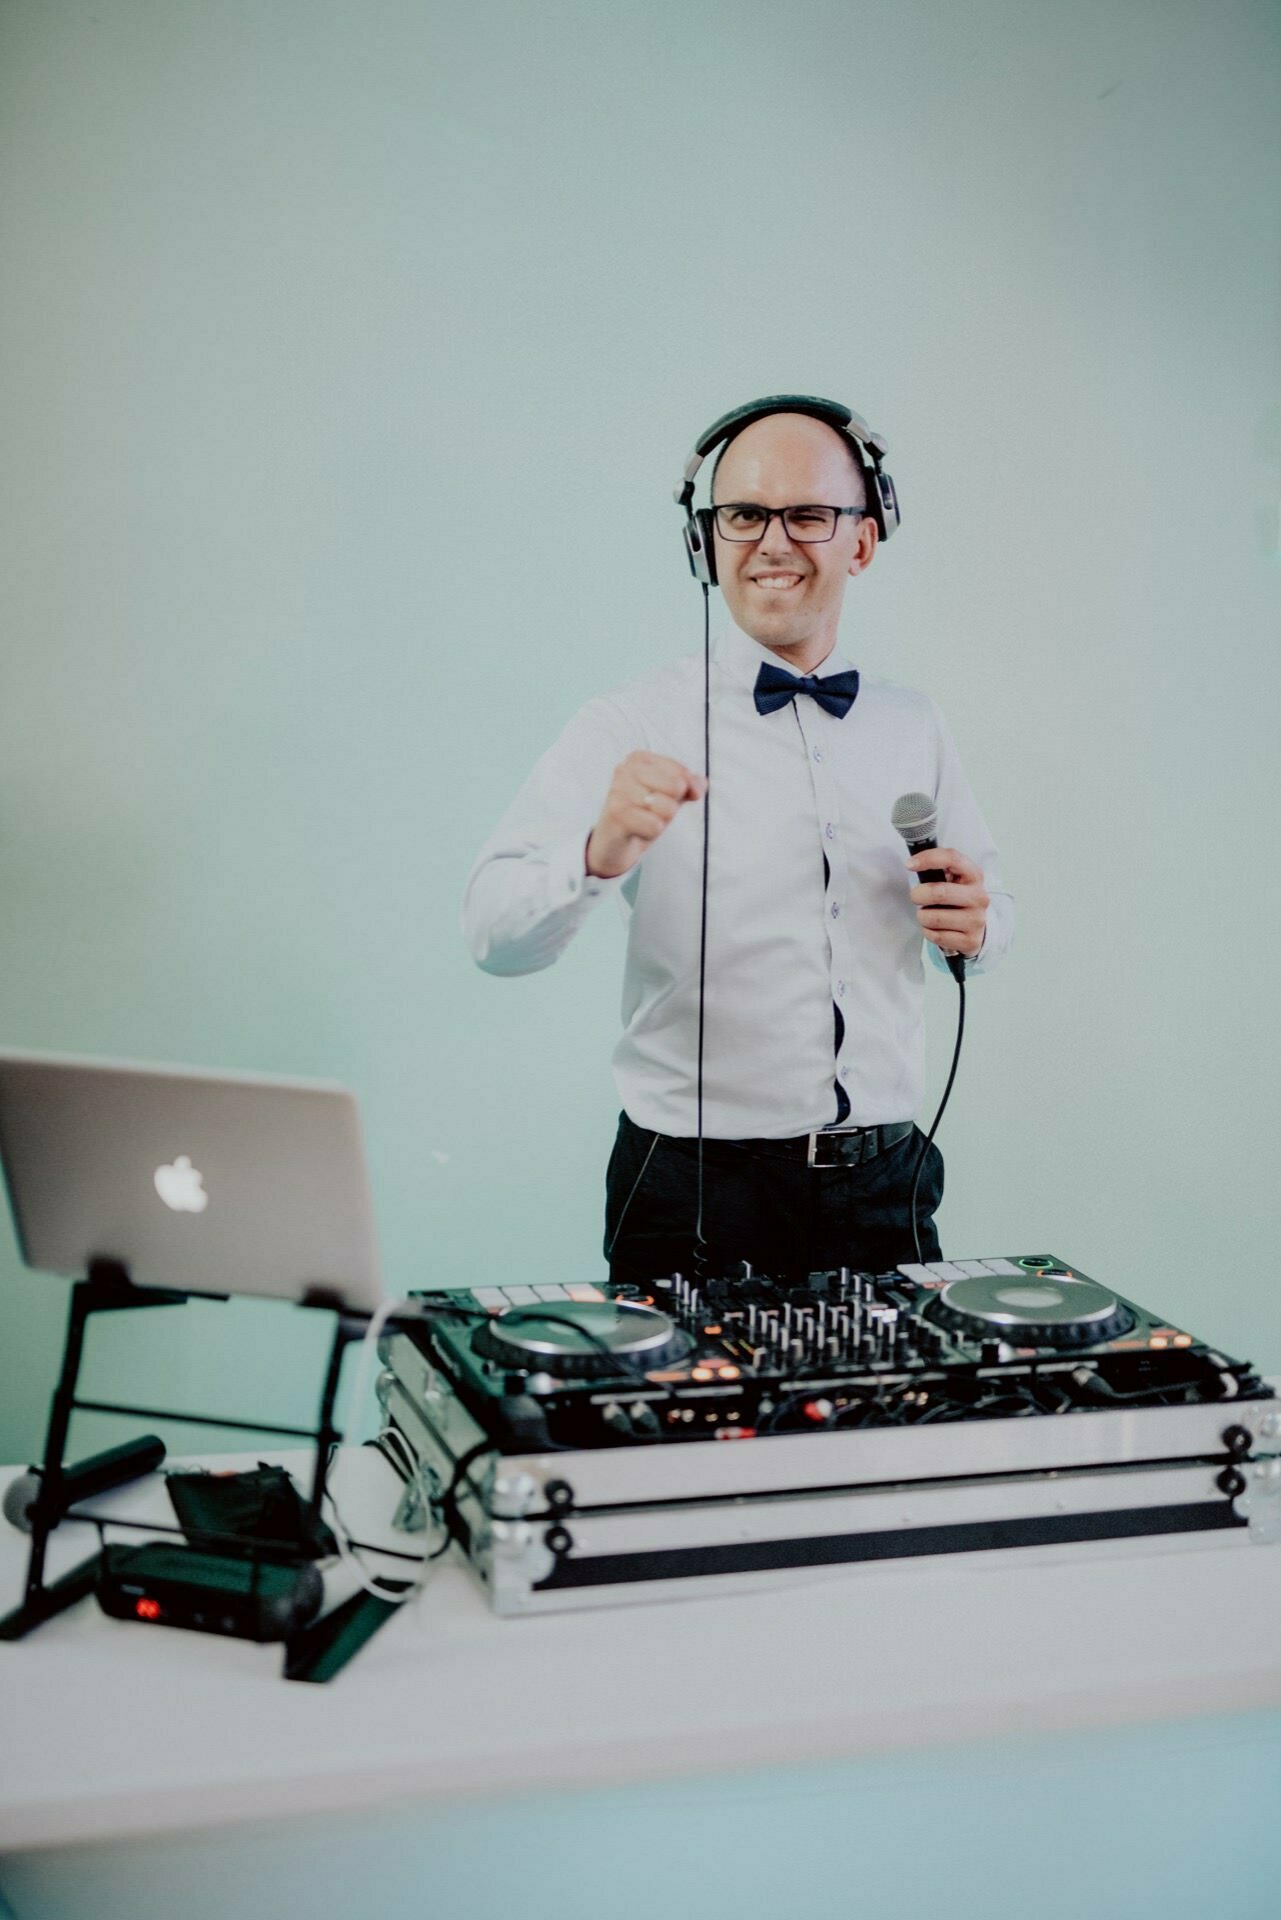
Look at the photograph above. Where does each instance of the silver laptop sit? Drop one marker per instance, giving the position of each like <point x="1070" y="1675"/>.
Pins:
<point x="208" y="1182"/>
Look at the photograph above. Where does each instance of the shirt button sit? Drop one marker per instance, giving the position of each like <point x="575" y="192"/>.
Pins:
<point x="840" y="989"/>
<point x="830" y="831"/>
<point x="817" y="754"/>
<point x="835" y="909"/>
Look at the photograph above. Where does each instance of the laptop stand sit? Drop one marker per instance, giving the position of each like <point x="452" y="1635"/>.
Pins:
<point x="314" y="1653"/>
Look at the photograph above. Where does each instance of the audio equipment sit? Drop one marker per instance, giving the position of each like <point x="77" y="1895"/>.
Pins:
<point x="98" y="1474"/>
<point x="179" y="1586"/>
<point x="916" y="818"/>
<point x="589" y="1444"/>
<point x="870" y="450"/>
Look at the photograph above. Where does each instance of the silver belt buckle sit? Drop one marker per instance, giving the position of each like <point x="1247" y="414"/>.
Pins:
<point x="835" y="1133"/>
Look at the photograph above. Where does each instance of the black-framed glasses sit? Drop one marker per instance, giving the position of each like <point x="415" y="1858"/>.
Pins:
<point x="741" y="521"/>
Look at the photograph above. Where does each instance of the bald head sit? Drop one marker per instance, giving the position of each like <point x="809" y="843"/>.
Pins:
<point x="782" y="589"/>
<point x="801" y="444"/>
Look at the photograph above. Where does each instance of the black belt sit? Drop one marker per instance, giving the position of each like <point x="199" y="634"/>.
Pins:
<point x="832" y="1147"/>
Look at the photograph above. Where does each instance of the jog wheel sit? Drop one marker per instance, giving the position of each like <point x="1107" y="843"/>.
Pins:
<point x="582" y="1339"/>
<point x="1042" y="1311"/>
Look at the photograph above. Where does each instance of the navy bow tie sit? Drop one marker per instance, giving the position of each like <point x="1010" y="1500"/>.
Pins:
<point x="774" y="688"/>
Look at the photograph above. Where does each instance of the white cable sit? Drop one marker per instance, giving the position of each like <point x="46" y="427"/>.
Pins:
<point x="368" y="1351"/>
<point x="371" y="1581"/>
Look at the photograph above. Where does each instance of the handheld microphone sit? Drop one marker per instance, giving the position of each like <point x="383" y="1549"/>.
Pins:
<point x="915" y="817"/>
<point x="98" y="1474"/>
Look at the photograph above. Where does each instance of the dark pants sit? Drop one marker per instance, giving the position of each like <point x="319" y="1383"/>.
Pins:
<point x="786" y="1218"/>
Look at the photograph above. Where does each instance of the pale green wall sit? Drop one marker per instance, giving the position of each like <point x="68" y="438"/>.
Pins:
<point x="288" y="288"/>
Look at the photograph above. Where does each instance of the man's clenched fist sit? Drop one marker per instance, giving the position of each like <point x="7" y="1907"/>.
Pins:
<point x="645" y="795"/>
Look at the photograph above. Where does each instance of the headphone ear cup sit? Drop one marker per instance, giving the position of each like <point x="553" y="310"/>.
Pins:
<point x="887" y="517"/>
<point x="707" y="534"/>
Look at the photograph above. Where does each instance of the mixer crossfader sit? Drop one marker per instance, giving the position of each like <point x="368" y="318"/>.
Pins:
<point x="565" y="1432"/>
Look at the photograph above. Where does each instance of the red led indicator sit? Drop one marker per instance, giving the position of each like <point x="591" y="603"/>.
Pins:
<point x="147" y="1609"/>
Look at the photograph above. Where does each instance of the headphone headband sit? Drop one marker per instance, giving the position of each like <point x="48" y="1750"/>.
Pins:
<point x="882" y="498"/>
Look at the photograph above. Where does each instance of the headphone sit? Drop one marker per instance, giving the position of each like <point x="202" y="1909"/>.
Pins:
<point x="882" y="499"/>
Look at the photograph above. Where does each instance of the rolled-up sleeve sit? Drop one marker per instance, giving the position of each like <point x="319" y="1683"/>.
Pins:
<point x="961" y="825"/>
<point x="529" y="890"/>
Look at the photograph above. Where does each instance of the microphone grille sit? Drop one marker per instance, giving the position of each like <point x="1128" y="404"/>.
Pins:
<point x="915" y="816"/>
<point x="19" y="1497"/>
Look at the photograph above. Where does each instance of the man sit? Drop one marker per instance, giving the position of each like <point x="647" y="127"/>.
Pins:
<point x="813" y="1051"/>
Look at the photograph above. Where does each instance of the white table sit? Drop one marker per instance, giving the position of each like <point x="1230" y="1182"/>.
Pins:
<point x="124" y="1733"/>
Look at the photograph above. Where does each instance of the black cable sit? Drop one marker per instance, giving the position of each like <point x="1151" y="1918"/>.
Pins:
<point x="609" y="1251"/>
<point x="449" y="1499"/>
<point x="627" y="1366"/>
<point x="929" y="1138"/>
<point x="624" y="1363"/>
<point x="788" y="1406"/>
<point x="700" y="1244"/>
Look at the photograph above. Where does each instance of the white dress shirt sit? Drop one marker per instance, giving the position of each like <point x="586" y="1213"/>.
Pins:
<point x="794" y="959"/>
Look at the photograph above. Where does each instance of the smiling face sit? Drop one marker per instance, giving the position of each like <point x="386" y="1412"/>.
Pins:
<point x="786" y="593"/>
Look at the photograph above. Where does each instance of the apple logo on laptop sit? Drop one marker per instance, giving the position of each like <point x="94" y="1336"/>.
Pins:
<point x="181" y="1186"/>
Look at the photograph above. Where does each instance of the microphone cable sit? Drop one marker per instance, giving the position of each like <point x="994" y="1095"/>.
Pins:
<point x="928" y="1141"/>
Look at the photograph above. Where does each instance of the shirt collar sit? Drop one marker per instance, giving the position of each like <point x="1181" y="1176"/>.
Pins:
<point x="741" y="658"/>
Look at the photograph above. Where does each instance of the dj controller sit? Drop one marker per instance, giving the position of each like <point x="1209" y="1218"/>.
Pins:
<point x="564" y="1432"/>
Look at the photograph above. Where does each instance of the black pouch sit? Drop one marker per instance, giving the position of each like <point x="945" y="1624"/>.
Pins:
<point x="238" y="1513"/>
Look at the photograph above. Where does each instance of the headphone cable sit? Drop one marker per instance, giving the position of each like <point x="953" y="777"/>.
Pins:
<point x="700" y="1244"/>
